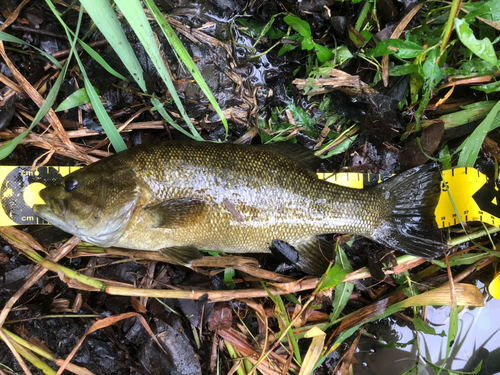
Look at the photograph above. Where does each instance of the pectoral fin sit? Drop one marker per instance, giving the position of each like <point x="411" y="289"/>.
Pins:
<point x="177" y="213"/>
<point x="183" y="255"/>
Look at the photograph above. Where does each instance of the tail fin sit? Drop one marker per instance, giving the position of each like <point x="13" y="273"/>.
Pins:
<point x="412" y="225"/>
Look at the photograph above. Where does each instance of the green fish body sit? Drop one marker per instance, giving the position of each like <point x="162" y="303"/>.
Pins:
<point x="177" y="197"/>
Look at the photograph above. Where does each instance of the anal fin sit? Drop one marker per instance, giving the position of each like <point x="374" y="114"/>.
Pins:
<point x="315" y="255"/>
<point x="183" y="255"/>
<point x="311" y="256"/>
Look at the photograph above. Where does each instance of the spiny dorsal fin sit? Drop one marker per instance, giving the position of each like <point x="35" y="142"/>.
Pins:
<point x="297" y="153"/>
<point x="177" y="213"/>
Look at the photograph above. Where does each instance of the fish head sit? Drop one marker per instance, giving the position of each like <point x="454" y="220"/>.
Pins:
<point x="95" y="203"/>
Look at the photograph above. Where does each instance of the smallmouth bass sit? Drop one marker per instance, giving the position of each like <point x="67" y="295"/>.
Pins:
<point x="180" y="197"/>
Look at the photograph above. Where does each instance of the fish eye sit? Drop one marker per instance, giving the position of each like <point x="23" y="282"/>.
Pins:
<point x="70" y="184"/>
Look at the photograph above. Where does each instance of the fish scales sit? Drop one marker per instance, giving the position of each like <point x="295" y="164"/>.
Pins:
<point x="233" y="198"/>
<point x="277" y="198"/>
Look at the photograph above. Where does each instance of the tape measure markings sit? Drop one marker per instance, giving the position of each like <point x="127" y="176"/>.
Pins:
<point x="19" y="192"/>
<point x="474" y="195"/>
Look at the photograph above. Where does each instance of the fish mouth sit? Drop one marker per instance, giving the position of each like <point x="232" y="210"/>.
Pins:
<point x="53" y="208"/>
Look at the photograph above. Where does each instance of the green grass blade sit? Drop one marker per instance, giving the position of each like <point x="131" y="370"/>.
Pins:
<point x="114" y="137"/>
<point x="183" y="54"/>
<point x="266" y="28"/>
<point x="344" y="290"/>
<point x="473" y="143"/>
<point x="9" y="38"/>
<point x="284" y="316"/>
<point x="100" y="60"/>
<point x="105" y="18"/>
<point x="133" y="12"/>
<point x="158" y="106"/>
<point x="334" y="277"/>
<point x="79" y="97"/>
<point x="9" y="146"/>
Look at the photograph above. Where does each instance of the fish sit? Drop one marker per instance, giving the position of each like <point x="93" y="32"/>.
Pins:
<point x="180" y="197"/>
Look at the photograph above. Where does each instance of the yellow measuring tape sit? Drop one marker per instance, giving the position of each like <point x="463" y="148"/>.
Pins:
<point x="19" y="192"/>
<point x="474" y="196"/>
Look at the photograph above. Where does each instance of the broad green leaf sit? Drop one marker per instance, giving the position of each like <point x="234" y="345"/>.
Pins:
<point x="229" y="277"/>
<point x="402" y="70"/>
<point x="453" y="327"/>
<point x="212" y="253"/>
<point x="79" y="97"/>
<point x="488" y="9"/>
<point x="367" y="35"/>
<point x="342" y="260"/>
<point x="474" y="65"/>
<point x="301" y="117"/>
<point x="324" y="54"/>
<point x="488" y="88"/>
<point x="416" y="83"/>
<point x="333" y="278"/>
<point x="431" y="71"/>
<point x="105" y="18"/>
<point x="307" y="44"/>
<point x="341" y="54"/>
<point x="342" y="294"/>
<point x="250" y="27"/>
<point x="292" y="299"/>
<point x="422" y="326"/>
<point x="340" y="148"/>
<point x="473" y="143"/>
<point x="286" y="48"/>
<point x="133" y="12"/>
<point x="266" y="28"/>
<point x="300" y="26"/>
<point x="445" y="158"/>
<point x="481" y="48"/>
<point x="10" y="38"/>
<point x="401" y="48"/>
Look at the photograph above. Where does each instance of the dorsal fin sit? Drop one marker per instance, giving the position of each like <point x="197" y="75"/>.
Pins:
<point x="297" y="153"/>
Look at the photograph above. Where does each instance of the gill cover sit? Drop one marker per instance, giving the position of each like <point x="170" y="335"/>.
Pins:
<point x="95" y="203"/>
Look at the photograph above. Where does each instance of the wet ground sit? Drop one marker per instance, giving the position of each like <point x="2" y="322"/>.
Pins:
<point x="253" y="90"/>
